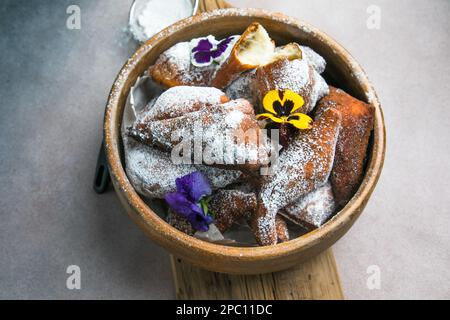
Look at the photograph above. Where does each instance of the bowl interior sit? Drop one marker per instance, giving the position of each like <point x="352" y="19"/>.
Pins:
<point x="342" y="71"/>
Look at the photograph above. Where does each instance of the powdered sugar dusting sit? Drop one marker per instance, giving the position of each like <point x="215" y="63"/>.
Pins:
<point x="316" y="204"/>
<point x="176" y="62"/>
<point x="177" y="101"/>
<point x="234" y="118"/>
<point x="143" y="162"/>
<point x="312" y="210"/>
<point x="217" y="130"/>
<point x="229" y="206"/>
<point x="243" y="87"/>
<point x="314" y="59"/>
<point x="296" y="75"/>
<point x="304" y="166"/>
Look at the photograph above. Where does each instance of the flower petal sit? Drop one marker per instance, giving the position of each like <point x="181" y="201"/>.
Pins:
<point x="180" y="204"/>
<point x="201" y="222"/>
<point x="270" y="116"/>
<point x="202" y="58"/>
<point x="190" y="211"/>
<point x="296" y="99"/>
<point x="302" y="122"/>
<point x="222" y="46"/>
<point x="269" y="99"/>
<point x="203" y="44"/>
<point x="194" y="186"/>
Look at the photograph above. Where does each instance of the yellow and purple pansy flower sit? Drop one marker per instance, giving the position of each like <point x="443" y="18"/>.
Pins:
<point x="283" y="107"/>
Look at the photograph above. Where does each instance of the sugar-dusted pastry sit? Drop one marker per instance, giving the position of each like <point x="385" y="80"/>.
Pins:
<point x="174" y="68"/>
<point x="304" y="166"/>
<point x="254" y="48"/>
<point x="245" y="84"/>
<point x="229" y="135"/>
<point x="229" y="206"/>
<point x="243" y="87"/>
<point x="153" y="174"/>
<point x="296" y="75"/>
<point x="192" y="63"/>
<point x="289" y="51"/>
<point x="314" y="59"/>
<point x="351" y="149"/>
<point x="179" y="222"/>
<point x="281" y="229"/>
<point x="313" y="209"/>
<point x="177" y="101"/>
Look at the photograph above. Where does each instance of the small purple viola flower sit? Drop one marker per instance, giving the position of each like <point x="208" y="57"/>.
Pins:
<point x="208" y="50"/>
<point x="190" y="200"/>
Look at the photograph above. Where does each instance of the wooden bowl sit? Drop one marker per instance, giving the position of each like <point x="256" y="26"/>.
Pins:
<point x="342" y="71"/>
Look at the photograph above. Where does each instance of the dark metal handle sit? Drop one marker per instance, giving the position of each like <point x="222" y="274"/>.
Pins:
<point x="102" y="178"/>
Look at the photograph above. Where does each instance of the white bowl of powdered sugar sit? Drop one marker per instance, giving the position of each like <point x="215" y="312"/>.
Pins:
<point x="148" y="17"/>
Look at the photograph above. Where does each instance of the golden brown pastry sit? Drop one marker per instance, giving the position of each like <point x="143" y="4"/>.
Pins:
<point x="229" y="206"/>
<point x="351" y="149"/>
<point x="281" y="229"/>
<point x="245" y="84"/>
<point x="174" y="68"/>
<point x="313" y="209"/>
<point x="296" y="75"/>
<point x="178" y="101"/>
<point x="304" y="166"/>
<point x="254" y="48"/>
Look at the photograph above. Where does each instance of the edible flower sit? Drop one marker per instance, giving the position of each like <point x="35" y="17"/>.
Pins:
<point x="208" y="50"/>
<point x="281" y="106"/>
<point x="191" y="200"/>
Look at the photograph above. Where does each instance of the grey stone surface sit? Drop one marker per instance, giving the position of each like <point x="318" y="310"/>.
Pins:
<point x="53" y="86"/>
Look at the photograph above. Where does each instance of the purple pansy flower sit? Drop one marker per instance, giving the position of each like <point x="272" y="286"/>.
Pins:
<point x="208" y="50"/>
<point x="190" y="200"/>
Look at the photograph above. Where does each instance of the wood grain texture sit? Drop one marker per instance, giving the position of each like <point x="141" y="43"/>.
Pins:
<point x="314" y="279"/>
<point x="209" y="5"/>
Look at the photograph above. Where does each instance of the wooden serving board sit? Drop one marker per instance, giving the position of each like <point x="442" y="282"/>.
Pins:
<point x="317" y="278"/>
